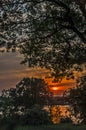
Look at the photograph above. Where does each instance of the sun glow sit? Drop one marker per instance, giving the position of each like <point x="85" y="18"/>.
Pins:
<point x="54" y="88"/>
<point x="58" y="88"/>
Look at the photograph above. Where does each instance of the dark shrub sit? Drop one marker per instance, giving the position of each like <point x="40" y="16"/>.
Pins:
<point x="65" y="120"/>
<point x="35" y="116"/>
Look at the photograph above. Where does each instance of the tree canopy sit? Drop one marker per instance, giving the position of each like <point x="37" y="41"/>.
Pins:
<point x="28" y="92"/>
<point x="24" y="104"/>
<point x="49" y="33"/>
<point x="77" y="99"/>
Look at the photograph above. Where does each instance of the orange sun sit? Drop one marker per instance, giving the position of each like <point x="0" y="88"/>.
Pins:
<point x="54" y="88"/>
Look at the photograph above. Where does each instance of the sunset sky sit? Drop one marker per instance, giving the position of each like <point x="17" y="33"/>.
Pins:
<point x="11" y="72"/>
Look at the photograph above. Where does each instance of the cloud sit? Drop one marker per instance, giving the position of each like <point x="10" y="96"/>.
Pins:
<point x="11" y="72"/>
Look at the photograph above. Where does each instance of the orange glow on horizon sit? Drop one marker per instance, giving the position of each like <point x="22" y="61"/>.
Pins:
<point x="58" y="88"/>
<point x="54" y="88"/>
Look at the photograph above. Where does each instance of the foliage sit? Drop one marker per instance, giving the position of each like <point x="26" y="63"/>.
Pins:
<point x="77" y="99"/>
<point x="28" y="92"/>
<point x="55" y="114"/>
<point x="36" y="116"/>
<point x="21" y="103"/>
<point x="65" y="120"/>
<point x="63" y="126"/>
<point x="49" y="33"/>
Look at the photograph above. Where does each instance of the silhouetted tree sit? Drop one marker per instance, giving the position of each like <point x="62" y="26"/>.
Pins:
<point x="77" y="99"/>
<point x="49" y="33"/>
<point x="30" y="92"/>
<point x="36" y="116"/>
<point x="19" y="102"/>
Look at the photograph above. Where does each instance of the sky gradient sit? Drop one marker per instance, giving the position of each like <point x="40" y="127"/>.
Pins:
<point x="11" y="72"/>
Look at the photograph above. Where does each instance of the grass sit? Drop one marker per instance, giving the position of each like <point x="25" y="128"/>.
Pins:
<point x="53" y="127"/>
<point x="64" y="126"/>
